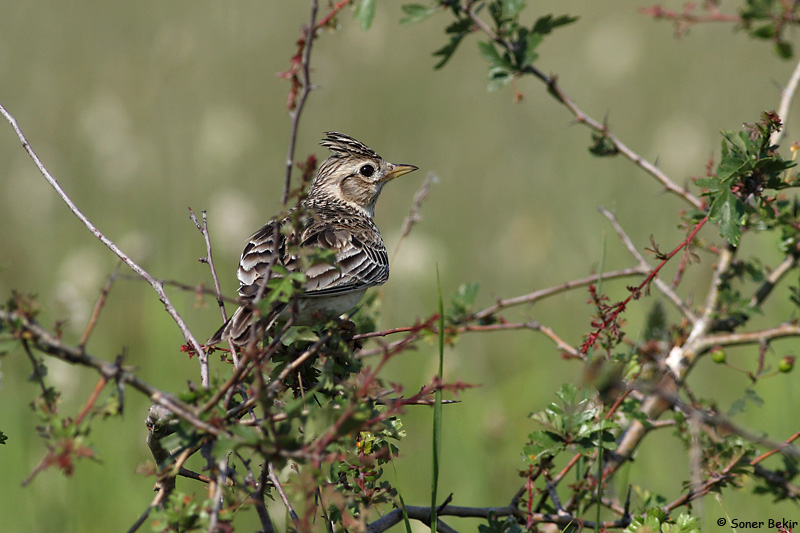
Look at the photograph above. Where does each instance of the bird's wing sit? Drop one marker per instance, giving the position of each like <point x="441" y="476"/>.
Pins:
<point x="361" y="259"/>
<point x="266" y="247"/>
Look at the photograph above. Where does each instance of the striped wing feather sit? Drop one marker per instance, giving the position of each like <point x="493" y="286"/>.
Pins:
<point x="361" y="262"/>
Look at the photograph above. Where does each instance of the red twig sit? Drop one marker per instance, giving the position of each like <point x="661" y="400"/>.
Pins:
<point x="91" y="401"/>
<point x="619" y="307"/>
<point x="338" y="6"/>
<point x="775" y="450"/>
<point x="686" y="18"/>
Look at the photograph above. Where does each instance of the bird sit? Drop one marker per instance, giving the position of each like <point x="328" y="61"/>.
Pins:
<point x="335" y="216"/>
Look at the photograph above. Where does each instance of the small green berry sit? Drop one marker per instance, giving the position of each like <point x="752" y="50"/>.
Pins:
<point x="718" y="355"/>
<point x="786" y="364"/>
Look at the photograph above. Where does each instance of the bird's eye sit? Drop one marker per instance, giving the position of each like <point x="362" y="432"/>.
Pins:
<point x="366" y="170"/>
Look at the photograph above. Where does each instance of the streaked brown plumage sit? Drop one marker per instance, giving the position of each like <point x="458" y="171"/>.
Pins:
<point x="336" y="215"/>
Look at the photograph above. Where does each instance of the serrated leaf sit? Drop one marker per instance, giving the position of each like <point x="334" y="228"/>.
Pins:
<point x="416" y="13"/>
<point x="511" y="8"/>
<point x="459" y="29"/>
<point x="738" y="140"/>
<point x="489" y="52"/>
<point x="739" y="406"/>
<point x="499" y="82"/>
<point x="530" y="49"/>
<point x="773" y="164"/>
<point x="728" y="210"/>
<point x="728" y="167"/>
<point x="365" y="13"/>
<point x="542" y="443"/>
<point x="548" y="23"/>
<point x="708" y="183"/>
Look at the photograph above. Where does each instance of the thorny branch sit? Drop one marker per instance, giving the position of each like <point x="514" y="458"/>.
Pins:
<point x="209" y="259"/>
<point x="157" y="285"/>
<point x="702" y="336"/>
<point x="48" y="343"/>
<point x="582" y="118"/>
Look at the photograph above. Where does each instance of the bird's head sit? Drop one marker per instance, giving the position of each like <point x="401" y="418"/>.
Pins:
<point x="354" y="173"/>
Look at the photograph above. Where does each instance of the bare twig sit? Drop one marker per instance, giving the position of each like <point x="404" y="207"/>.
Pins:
<point x="99" y="386"/>
<point x="619" y="307"/>
<point x="98" y="306"/>
<point x="209" y="259"/>
<point x="216" y="496"/>
<point x="157" y="500"/>
<point x="551" y="291"/>
<point x="38" y="374"/>
<point x="414" y="214"/>
<point x="259" y="502"/>
<point x="273" y="477"/>
<point x="662" y="286"/>
<point x="199" y="289"/>
<point x="582" y="118"/>
<point x="788" y="329"/>
<point x="157" y="285"/>
<point x="775" y="450"/>
<point x="685" y="19"/>
<point x="764" y="290"/>
<point x="422" y="514"/>
<point x="307" y="40"/>
<point x="705" y="487"/>
<point x="48" y="343"/>
<point x="787" y="97"/>
<point x="679" y="362"/>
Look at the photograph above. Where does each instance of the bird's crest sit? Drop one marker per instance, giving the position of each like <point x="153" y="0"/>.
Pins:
<point x="344" y="145"/>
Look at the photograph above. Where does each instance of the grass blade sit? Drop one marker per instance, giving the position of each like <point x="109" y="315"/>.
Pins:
<point x="437" y="412"/>
<point x="400" y="496"/>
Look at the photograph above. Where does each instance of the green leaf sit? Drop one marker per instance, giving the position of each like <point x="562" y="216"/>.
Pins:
<point x="547" y="23"/>
<point x="365" y="12"/>
<point x="462" y="304"/>
<point x="642" y="524"/>
<point x="489" y="52"/>
<point x="416" y="13"/>
<point x="708" y="183"/>
<point x="542" y="443"/>
<point x="784" y="50"/>
<point x="512" y="8"/>
<point x="739" y="141"/>
<point x="499" y="78"/>
<point x="458" y="30"/>
<point x="728" y="210"/>
<point x="750" y="397"/>
<point x="729" y="167"/>
<point x="530" y="55"/>
<point x="602" y="145"/>
<point x="684" y="524"/>
<point x="507" y="524"/>
<point x="766" y="31"/>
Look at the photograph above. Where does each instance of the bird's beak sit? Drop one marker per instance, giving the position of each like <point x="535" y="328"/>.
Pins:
<point x="395" y="171"/>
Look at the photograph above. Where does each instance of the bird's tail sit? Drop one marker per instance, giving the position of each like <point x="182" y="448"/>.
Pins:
<point x="236" y="329"/>
<point x="241" y="327"/>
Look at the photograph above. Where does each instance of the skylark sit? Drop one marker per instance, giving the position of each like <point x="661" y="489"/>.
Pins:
<point x="336" y="215"/>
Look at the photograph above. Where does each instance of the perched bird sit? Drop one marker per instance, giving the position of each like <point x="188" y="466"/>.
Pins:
<point x="335" y="215"/>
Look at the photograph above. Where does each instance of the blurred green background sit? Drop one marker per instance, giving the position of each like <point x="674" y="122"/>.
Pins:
<point x="142" y="109"/>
